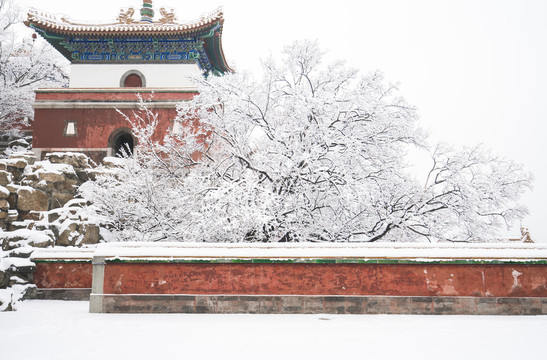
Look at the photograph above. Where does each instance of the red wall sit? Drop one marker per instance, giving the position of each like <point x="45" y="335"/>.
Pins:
<point x="56" y="275"/>
<point x="326" y="279"/>
<point x="114" y="95"/>
<point x="94" y="126"/>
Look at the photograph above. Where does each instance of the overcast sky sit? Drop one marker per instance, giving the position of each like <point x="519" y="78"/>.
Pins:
<point x="475" y="69"/>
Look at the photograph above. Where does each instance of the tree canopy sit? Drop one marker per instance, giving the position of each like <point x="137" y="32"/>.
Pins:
<point x="307" y="152"/>
<point x="26" y="63"/>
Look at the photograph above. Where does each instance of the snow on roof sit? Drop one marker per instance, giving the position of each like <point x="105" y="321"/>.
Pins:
<point x="60" y="23"/>
<point x="356" y="251"/>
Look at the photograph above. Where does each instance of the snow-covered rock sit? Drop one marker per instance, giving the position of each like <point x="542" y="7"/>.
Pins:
<point x="25" y="237"/>
<point x="29" y="198"/>
<point x="5" y="177"/>
<point x="16" y="276"/>
<point x="76" y="160"/>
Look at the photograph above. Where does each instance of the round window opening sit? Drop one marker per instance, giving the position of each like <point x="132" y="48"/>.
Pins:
<point x="133" y="80"/>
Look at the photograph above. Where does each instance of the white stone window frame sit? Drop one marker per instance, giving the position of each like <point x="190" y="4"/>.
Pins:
<point x="68" y="128"/>
<point x="131" y="72"/>
<point x="177" y="129"/>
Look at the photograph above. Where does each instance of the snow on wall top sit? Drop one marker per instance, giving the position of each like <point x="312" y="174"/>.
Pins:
<point x="64" y="253"/>
<point x="330" y="251"/>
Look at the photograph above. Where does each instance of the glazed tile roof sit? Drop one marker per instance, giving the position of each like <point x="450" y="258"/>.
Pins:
<point x="61" y="24"/>
<point x="130" y="40"/>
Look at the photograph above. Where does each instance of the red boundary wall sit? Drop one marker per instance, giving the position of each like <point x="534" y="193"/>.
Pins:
<point x="63" y="275"/>
<point x="197" y="278"/>
<point x="501" y="280"/>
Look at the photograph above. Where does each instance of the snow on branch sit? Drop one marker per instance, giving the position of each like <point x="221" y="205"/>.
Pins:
<point x="307" y="152"/>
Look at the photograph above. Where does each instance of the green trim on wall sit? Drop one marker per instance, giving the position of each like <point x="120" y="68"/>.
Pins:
<point x="64" y="261"/>
<point x="113" y="90"/>
<point x="333" y="261"/>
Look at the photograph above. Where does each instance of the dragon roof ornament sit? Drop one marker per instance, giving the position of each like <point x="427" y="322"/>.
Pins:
<point x="125" y="22"/>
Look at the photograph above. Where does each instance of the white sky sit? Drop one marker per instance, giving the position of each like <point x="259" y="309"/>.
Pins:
<point x="475" y="69"/>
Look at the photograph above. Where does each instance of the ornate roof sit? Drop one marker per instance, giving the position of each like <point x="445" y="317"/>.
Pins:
<point x="125" y="25"/>
<point x="130" y="40"/>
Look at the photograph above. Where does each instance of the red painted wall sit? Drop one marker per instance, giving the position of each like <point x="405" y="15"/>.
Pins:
<point x="94" y="126"/>
<point x="327" y="279"/>
<point x="63" y="275"/>
<point x="102" y="95"/>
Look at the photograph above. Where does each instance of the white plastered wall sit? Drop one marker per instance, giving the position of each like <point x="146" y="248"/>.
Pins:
<point x="109" y="75"/>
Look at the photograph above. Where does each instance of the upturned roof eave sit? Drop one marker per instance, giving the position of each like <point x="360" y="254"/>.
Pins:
<point x="60" y="25"/>
<point x="122" y="33"/>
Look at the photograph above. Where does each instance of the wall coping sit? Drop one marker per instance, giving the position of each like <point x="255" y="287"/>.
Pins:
<point x="191" y="89"/>
<point x="359" y="253"/>
<point x="63" y="254"/>
<point x="392" y="253"/>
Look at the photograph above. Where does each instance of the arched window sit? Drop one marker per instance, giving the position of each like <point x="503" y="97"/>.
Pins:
<point x="133" y="78"/>
<point x="121" y="142"/>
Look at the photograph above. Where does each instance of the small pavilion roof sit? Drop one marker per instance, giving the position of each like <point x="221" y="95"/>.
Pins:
<point x="61" y="24"/>
<point x="56" y="29"/>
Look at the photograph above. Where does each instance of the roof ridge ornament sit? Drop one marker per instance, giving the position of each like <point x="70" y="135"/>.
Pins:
<point x="126" y="16"/>
<point x="147" y="13"/>
<point x="167" y="17"/>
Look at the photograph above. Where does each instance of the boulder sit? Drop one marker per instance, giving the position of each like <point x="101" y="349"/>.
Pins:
<point x="69" y="234"/>
<point x="76" y="160"/>
<point x="5" y="178"/>
<point x="75" y="233"/>
<point x="4" y="193"/>
<point x="4" y="205"/>
<point x="4" y="278"/>
<point x="28" y="156"/>
<point x="12" y="188"/>
<point x="51" y="176"/>
<point x="18" y="163"/>
<point x="31" y="199"/>
<point x="92" y="234"/>
<point x="24" y="237"/>
<point x="59" y="199"/>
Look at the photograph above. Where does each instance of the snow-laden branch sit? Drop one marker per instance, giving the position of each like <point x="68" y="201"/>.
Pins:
<point x="307" y="153"/>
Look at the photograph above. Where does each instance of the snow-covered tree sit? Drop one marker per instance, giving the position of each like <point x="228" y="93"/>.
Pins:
<point x="306" y="153"/>
<point x="26" y="63"/>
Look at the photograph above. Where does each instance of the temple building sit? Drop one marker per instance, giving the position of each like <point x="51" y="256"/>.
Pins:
<point x="111" y="66"/>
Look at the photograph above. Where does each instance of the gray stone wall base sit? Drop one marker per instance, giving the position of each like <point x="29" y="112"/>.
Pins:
<point x="296" y="304"/>
<point x="61" y="294"/>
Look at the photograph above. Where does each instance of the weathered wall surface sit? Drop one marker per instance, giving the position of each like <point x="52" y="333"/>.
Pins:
<point x="503" y="280"/>
<point x="94" y="127"/>
<point x="96" y="116"/>
<point x="63" y="275"/>
<point x="299" y="278"/>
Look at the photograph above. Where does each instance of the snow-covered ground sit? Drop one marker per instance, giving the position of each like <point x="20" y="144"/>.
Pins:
<point x="66" y="330"/>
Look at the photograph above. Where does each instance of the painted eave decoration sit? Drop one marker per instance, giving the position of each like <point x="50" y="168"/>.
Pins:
<point x="141" y="40"/>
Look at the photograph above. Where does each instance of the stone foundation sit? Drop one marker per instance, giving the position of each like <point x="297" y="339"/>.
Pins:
<point x="300" y="304"/>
